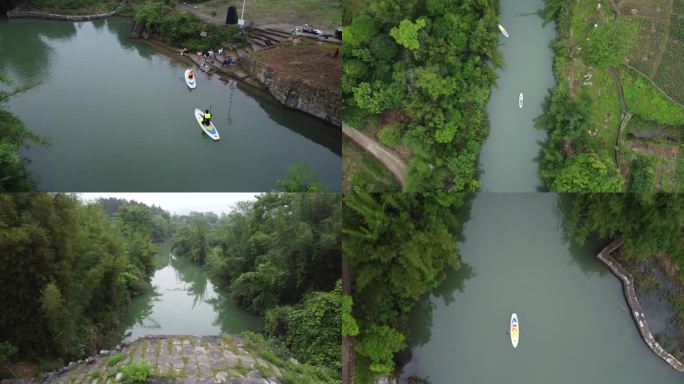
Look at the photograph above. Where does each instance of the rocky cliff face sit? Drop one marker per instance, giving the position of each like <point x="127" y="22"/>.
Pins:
<point x="296" y="93"/>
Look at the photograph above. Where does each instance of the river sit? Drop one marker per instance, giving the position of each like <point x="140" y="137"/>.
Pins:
<point x="120" y="117"/>
<point x="182" y="301"/>
<point x="574" y="326"/>
<point x="508" y="158"/>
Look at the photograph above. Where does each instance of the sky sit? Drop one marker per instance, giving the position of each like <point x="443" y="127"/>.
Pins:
<point x="180" y="203"/>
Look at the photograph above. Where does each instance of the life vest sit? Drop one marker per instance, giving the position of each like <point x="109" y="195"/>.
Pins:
<point x="207" y="116"/>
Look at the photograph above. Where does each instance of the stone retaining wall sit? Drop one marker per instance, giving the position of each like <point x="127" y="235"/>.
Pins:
<point x="296" y="93"/>
<point x="635" y="307"/>
<point x="21" y="13"/>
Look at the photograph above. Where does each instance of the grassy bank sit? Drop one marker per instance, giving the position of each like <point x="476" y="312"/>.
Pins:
<point x="586" y="150"/>
<point x="321" y="13"/>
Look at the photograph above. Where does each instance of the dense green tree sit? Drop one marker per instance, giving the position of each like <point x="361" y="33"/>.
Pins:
<point x="399" y="246"/>
<point x="648" y="223"/>
<point x="191" y="241"/>
<point x="587" y="173"/>
<point x="68" y="271"/>
<point x="310" y="329"/>
<point x="438" y="70"/>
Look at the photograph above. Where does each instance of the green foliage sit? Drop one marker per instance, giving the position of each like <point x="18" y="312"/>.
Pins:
<point x="646" y="101"/>
<point x="183" y="28"/>
<point x="399" y="246"/>
<point x="276" y="250"/>
<point x="642" y="175"/>
<point x="114" y="359"/>
<point x="310" y="329"/>
<point x="362" y="29"/>
<point x="432" y="60"/>
<point x="380" y="343"/>
<point x="645" y="221"/>
<point x="406" y="34"/>
<point x="191" y="240"/>
<point x="587" y="173"/>
<point x="64" y="266"/>
<point x="301" y="179"/>
<point x="391" y="134"/>
<point x="349" y="325"/>
<point x="610" y="42"/>
<point x="13" y="136"/>
<point x="137" y="372"/>
<point x="7" y="352"/>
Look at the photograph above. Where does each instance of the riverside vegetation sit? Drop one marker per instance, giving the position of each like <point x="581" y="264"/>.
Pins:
<point x="69" y="271"/>
<point x="416" y="77"/>
<point x="651" y="226"/>
<point x="397" y="247"/>
<point x="13" y="136"/>
<point x="278" y="257"/>
<point x="75" y="267"/>
<point x="602" y="51"/>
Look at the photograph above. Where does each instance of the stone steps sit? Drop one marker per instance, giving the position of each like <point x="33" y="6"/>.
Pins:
<point x="187" y="359"/>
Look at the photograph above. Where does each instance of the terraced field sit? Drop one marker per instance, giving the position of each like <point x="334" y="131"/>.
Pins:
<point x="652" y="78"/>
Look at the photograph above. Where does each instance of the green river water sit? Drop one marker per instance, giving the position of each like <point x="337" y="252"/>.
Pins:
<point x="120" y="117"/>
<point x="574" y="326"/>
<point x="182" y="301"/>
<point x="508" y="159"/>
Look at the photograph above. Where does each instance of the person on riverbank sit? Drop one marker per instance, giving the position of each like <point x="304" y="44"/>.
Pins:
<point x="206" y="119"/>
<point x="227" y="61"/>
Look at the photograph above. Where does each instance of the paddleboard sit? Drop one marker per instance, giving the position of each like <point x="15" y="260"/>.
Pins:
<point x="503" y="30"/>
<point x="520" y="100"/>
<point x="209" y="130"/>
<point x="190" y="82"/>
<point x="515" y="330"/>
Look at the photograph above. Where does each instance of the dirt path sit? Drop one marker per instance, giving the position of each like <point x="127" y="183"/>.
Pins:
<point x="624" y="118"/>
<point x="387" y="158"/>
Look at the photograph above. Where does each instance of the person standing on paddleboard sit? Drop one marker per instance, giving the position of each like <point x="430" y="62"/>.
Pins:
<point x="207" y="118"/>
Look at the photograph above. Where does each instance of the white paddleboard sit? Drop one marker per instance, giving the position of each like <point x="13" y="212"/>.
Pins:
<point x="503" y="30"/>
<point x="210" y="130"/>
<point x="515" y="330"/>
<point x="520" y="100"/>
<point x="190" y="82"/>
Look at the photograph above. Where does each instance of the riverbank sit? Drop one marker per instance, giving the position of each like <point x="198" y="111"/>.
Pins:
<point x="628" y="282"/>
<point x="238" y="359"/>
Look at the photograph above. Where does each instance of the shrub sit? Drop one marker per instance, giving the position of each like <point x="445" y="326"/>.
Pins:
<point x="643" y="175"/>
<point x="391" y="134"/>
<point x="114" y="360"/>
<point x="136" y="372"/>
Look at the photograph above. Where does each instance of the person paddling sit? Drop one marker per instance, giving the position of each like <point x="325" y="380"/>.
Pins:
<point x="206" y="120"/>
<point x="191" y="74"/>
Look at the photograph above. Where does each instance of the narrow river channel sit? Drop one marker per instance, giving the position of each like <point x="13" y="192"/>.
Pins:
<point x="120" y="117"/>
<point x="574" y="326"/>
<point x="508" y="159"/>
<point x="182" y="301"/>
